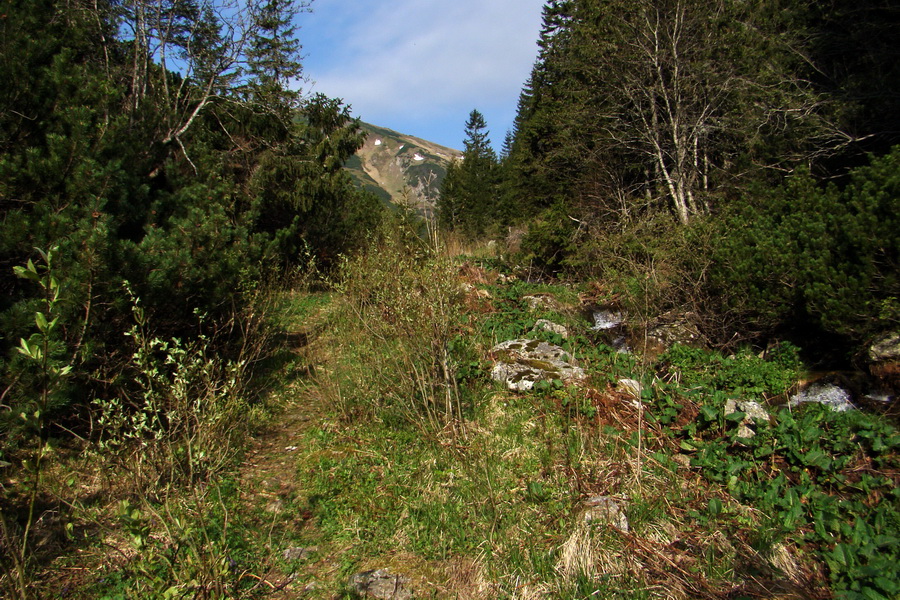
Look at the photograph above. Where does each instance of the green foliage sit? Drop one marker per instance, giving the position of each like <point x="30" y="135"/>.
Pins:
<point x="402" y="312"/>
<point x="627" y="111"/>
<point x="198" y="187"/>
<point x="744" y="374"/>
<point x="274" y="57"/>
<point x="828" y="256"/>
<point x="468" y="192"/>
<point x="822" y="475"/>
<point x="134" y="173"/>
<point x="183" y="425"/>
<point x="550" y="240"/>
<point x="32" y="410"/>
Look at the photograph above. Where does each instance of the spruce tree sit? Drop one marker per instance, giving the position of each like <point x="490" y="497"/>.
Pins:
<point x="274" y="56"/>
<point x="470" y="189"/>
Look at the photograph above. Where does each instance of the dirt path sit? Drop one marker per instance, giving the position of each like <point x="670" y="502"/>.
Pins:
<point x="272" y="499"/>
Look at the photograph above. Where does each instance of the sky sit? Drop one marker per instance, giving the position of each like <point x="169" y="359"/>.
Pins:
<point x="419" y="67"/>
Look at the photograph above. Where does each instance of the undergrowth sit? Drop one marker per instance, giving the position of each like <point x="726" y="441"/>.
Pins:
<point x="406" y="456"/>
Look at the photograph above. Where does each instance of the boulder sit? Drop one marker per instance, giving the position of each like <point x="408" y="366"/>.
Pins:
<point x="630" y="387"/>
<point x="541" y="302"/>
<point x="885" y="349"/>
<point x="607" y="318"/>
<point x="521" y="363"/>
<point x="299" y="553"/>
<point x="753" y="411"/>
<point x="676" y="329"/>
<point x="603" y="509"/>
<point x="884" y="361"/>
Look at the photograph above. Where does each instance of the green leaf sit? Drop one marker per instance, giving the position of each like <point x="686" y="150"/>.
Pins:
<point x="715" y="507"/>
<point x="41" y="321"/>
<point x="26" y="273"/>
<point x="31" y="351"/>
<point x="708" y="412"/>
<point x="735" y="417"/>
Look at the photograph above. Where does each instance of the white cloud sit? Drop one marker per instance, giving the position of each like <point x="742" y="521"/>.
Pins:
<point x="418" y="58"/>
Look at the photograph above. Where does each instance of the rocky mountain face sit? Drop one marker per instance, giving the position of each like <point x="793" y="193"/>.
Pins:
<point x="401" y="169"/>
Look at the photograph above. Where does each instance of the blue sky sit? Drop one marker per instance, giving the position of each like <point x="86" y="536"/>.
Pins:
<point x="420" y="66"/>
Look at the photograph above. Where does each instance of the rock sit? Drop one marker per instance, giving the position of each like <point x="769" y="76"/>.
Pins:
<point x="677" y="329"/>
<point x="834" y="397"/>
<point x="682" y="460"/>
<point x="752" y="410"/>
<point x="292" y="554"/>
<point x="545" y="325"/>
<point x="605" y="318"/>
<point x="536" y="302"/>
<point x="381" y="584"/>
<point x="603" y="509"/>
<point x="468" y="289"/>
<point x="522" y="363"/>
<point x="884" y="357"/>
<point x="877" y="397"/>
<point x="886" y="348"/>
<point x="621" y="346"/>
<point x="630" y="387"/>
<point x="781" y="559"/>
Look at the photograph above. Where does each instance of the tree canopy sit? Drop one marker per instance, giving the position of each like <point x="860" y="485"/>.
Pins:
<point x="166" y="144"/>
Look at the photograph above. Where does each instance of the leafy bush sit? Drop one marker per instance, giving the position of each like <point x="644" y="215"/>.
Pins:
<point x="827" y="476"/>
<point x="549" y="241"/>
<point x="827" y="257"/>
<point x="402" y="311"/>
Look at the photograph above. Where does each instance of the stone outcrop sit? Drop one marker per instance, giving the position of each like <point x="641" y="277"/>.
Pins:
<point x="545" y="325"/>
<point x="884" y="361"/>
<point x="753" y="412"/>
<point x="541" y="302"/>
<point x="519" y="364"/>
<point x="603" y="509"/>
<point x="672" y="328"/>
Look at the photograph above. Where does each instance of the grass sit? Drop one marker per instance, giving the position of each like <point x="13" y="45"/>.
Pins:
<point x="391" y="448"/>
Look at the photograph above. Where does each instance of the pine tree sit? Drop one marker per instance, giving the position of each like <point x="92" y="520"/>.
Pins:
<point x="640" y="105"/>
<point x="274" y="56"/>
<point x="468" y="194"/>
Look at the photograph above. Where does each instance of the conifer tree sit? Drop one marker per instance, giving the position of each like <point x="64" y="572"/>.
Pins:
<point x="274" y="55"/>
<point x="468" y="199"/>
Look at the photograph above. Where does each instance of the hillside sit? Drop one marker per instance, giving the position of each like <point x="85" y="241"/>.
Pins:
<point x="401" y="169"/>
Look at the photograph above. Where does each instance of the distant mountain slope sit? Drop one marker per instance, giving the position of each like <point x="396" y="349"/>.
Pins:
<point x="400" y="168"/>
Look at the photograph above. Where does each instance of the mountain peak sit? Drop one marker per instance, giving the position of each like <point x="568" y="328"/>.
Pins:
<point x="401" y="169"/>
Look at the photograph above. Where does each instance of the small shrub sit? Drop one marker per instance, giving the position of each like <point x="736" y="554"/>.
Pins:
<point x="402" y="312"/>
<point x="821" y="257"/>
<point x="827" y="478"/>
